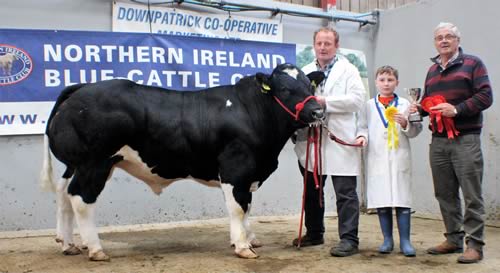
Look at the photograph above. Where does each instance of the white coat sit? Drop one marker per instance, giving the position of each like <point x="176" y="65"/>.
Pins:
<point x="388" y="171"/>
<point x="344" y="94"/>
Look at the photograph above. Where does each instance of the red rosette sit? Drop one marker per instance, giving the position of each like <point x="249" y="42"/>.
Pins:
<point x="431" y="101"/>
<point x="437" y="117"/>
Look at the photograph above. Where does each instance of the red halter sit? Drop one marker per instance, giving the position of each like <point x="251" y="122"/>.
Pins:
<point x="298" y="107"/>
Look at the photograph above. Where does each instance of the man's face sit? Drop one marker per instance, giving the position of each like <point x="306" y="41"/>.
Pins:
<point x="446" y="42"/>
<point x="325" y="47"/>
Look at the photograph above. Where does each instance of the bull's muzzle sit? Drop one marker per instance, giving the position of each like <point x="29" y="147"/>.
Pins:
<point x="318" y="114"/>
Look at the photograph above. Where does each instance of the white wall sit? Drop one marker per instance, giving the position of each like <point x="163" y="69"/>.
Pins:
<point x="405" y="40"/>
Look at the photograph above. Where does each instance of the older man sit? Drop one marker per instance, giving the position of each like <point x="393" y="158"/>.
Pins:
<point x="342" y="94"/>
<point x="455" y="157"/>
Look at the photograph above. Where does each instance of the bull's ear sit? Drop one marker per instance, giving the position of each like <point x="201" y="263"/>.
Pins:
<point x="316" y="78"/>
<point x="263" y="81"/>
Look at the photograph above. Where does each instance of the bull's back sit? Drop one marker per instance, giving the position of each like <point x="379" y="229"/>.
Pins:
<point x="175" y="133"/>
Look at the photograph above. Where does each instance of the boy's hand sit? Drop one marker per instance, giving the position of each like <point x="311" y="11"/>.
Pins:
<point x="361" y="140"/>
<point x="413" y="108"/>
<point x="401" y="119"/>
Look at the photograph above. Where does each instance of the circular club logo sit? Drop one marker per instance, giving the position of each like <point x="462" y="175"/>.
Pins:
<point x="15" y="64"/>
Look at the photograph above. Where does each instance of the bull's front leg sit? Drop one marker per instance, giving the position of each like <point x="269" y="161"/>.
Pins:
<point x="237" y="203"/>
<point x="251" y="238"/>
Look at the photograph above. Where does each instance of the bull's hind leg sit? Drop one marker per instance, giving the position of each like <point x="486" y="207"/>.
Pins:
<point x="237" y="205"/>
<point x="65" y="217"/>
<point x="85" y="187"/>
<point x="88" y="231"/>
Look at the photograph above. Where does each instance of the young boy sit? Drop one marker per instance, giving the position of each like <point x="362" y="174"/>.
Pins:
<point x="388" y="158"/>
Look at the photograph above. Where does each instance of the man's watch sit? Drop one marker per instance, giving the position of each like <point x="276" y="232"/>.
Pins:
<point x="455" y="111"/>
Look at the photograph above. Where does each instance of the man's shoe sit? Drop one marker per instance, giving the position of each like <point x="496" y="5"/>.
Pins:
<point x="308" y="240"/>
<point x="344" y="249"/>
<point x="470" y="256"/>
<point x="445" y="248"/>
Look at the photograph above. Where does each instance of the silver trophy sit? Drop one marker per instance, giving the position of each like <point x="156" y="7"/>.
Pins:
<point x="414" y="94"/>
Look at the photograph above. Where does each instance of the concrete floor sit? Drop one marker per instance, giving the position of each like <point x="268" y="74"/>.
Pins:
<point x="203" y="246"/>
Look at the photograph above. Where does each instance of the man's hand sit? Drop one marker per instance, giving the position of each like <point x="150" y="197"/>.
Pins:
<point x="321" y="100"/>
<point x="446" y="109"/>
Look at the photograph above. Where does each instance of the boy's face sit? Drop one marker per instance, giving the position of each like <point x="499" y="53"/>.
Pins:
<point x="386" y="84"/>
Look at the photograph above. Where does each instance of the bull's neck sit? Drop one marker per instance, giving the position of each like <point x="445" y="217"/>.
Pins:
<point x="284" y="124"/>
<point x="273" y="122"/>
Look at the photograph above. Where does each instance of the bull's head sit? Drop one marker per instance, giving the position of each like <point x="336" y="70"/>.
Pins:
<point x="294" y="91"/>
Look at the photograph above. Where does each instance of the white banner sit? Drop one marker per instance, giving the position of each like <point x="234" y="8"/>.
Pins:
<point x="129" y="17"/>
<point x="24" y="118"/>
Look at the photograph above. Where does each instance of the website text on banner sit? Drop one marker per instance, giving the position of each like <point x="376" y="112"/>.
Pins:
<point x="129" y="17"/>
<point x="43" y="63"/>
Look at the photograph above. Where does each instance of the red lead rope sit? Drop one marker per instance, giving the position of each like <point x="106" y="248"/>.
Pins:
<point x="314" y="136"/>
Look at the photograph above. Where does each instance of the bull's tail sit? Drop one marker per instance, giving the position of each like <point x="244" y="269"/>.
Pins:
<point x="46" y="176"/>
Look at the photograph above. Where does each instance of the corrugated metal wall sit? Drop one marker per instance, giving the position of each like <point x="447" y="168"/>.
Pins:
<point x="355" y="5"/>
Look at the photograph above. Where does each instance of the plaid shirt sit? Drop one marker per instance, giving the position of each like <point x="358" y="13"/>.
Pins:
<point x="326" y="70"/>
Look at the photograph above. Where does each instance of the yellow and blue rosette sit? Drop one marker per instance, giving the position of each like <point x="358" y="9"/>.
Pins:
<point x="392" y="132"/>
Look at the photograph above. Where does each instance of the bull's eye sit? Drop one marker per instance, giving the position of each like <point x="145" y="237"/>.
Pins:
<point x="285" y="93"/>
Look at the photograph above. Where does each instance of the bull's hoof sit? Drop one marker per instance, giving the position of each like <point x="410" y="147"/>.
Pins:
<point x="246" y="253"/>
<point x="59" y="240"/>
<point x="256" y="243"/>
<point x="99" y="256"/>
<point x="72" y="250"/>
<point x="84" y="247"/>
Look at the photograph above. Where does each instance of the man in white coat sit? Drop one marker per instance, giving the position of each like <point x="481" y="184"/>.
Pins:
<point x="342" y="94"/>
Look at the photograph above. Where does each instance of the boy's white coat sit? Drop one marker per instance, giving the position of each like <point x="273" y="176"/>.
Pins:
<point x="388" y="176"/>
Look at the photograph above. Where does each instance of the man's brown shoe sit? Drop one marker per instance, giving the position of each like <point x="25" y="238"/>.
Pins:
<point x="470" y="256"/>
<point x="445" y="248"/>
<point x="309" y="240"/>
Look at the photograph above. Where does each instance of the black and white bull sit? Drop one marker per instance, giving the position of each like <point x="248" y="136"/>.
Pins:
<point x="228" y="137"/>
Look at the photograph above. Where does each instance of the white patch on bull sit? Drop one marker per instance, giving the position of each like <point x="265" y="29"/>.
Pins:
<point x="133" y="164"/>
<point x="85" y="218"/>
<point x="292" y="72"/>
<point x="228" y="103"/>
<point x="236" y="216"/>
<point x="254" y="186"/>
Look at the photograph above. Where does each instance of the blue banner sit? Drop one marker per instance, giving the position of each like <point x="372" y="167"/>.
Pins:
<point x="36" y="65"/>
